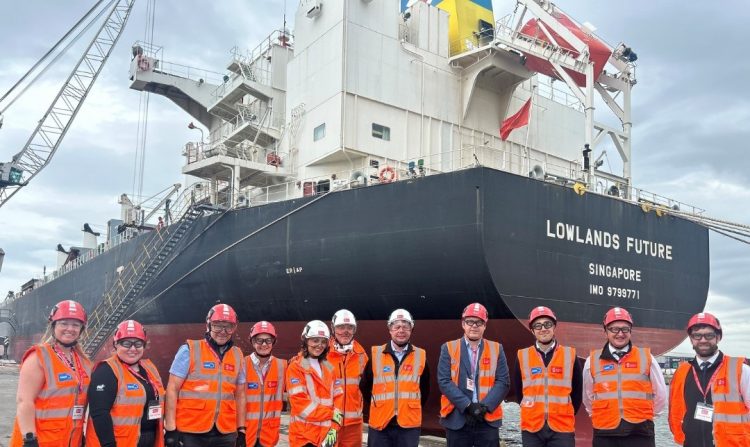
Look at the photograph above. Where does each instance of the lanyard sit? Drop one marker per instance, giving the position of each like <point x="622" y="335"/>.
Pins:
<point x="146" y="379"/>
<point x="75" y="365"/>
<point x="708" y="386"/>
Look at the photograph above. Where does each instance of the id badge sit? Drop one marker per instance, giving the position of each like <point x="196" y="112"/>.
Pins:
<point x="77" y="412"/>
<point x="704" y="412"/>
<point x="154" y="410"/>
<point x="470" y="384"/>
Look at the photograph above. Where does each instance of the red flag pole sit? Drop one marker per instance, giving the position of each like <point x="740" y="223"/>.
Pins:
<point x="528" y="128"/>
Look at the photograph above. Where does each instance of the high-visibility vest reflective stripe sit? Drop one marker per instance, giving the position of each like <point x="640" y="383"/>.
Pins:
<point x="207" y="396"/>
<point x="399" y="397"/>
<point x="310" y="423"/>
<point x="53" y="407"/>
<point x="127" y="410"/>
<point x="264" y="402"/>
<point x="731" y="423"/>
<point x="348" y="369"/>
<point x="621" y="390"/>
<point x="486" y="368"/>
<point x="546" y="390"/>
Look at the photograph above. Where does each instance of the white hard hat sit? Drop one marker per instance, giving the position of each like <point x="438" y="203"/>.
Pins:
<point x="343" y="316"/>
<point x="316" y="328"/>
<point x="400" y="314"/>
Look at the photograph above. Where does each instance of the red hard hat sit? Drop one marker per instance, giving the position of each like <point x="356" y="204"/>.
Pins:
<point x="541" y="311"/>
<point x="263" y="327"/>
<point x="130" y="329"/>
<point x="475" y="310"/>
<point x="617" y="314"/>
<point x="68" y="310"/>
<point x="222" y="312"/>
<point x="704" y="318"/>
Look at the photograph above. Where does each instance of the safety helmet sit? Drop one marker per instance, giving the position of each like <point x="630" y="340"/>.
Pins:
<point x="130" y="329"/>
<point x="343" y="316"/>
<point x="617" y="314"/>
<point x="400" y="314"/>
<point x="541" y="311"/>
<point x="263" y="327"/>
<point x="316" y="328"/>
<point x="704" y="318"/>
<point x="222" y="312"/>
<point x="475" y="310"/>
<point x="68" y="310"/>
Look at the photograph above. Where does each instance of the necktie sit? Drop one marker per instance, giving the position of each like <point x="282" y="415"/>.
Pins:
<point x="474" y="362"/>
<point x="620" y="354"/>
<point x="705" y="365"/>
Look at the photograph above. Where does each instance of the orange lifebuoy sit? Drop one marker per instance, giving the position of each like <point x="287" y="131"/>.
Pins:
<point x="387" y="175"/>
<point x="143" y="63"/>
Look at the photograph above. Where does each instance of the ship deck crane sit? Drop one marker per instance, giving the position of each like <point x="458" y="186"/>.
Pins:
<point x="54" y="124"/>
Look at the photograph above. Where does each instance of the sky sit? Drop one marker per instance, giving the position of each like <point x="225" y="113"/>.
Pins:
<point x="690" y="114"/>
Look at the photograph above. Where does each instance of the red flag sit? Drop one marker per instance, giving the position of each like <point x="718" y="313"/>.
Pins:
<point x="520" y="119"/>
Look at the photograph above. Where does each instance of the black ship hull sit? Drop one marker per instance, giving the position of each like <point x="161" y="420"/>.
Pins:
<point x="430" y="245"/>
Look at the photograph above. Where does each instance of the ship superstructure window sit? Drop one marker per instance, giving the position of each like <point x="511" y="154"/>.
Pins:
<point x="382" y="132"/>
<point x="319" y="132"/>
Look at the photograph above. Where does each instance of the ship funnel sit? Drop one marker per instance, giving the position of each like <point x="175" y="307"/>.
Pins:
<point x="62" y="255"/>
<point x="89" y="237"/>
<point x="357" y="179"/>
<point x="537" y="173"/>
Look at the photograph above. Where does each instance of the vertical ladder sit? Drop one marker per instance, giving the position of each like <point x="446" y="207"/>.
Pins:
<point x="131" y="283"/>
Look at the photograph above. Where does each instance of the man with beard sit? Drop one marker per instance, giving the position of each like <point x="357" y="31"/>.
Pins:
<point x="265" y="389"/>
<point x="473" y="377"/>
<point x="547" y="380"/>
<point x="397" y="383"/>
<point x="205" y="401"/>
<point x="348" y="358"/>
<point x="623" y="387"/>
<point x="709" y="398"/>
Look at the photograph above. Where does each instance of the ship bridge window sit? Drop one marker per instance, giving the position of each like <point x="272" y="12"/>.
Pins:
<point x="382" y="132"/>
<point x="319" y="132"/>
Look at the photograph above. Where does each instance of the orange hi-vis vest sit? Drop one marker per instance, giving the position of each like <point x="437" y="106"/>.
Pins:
<point x="53" y="407"/>
<point x="396" y="396"/>
<point x="348" y="369"/>
<point x="486" y="367"/>
<point x="207" y="396"/>
<point x="311" y="399"/>
<point x="621" y="390"/>
<point x="731" y="422"/>
<point x="546" y="390"/>
<point x="127" y="410"/>
<point x="265" y="398"/>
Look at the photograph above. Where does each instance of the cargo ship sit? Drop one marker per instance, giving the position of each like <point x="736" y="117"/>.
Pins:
<point x="357" y="163"/>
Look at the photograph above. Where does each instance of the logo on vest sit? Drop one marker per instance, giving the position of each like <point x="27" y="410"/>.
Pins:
<point x="721" y="382"/>
<point x="536" y="370"/>
<point x="272" y="384"/>
<point x="337" y="382"/>
<point x="386" y="369"/>
<point x="630" y="364"/>
<point x="556" y="370"/>
<point x="407" y="368"/>
<point x="64" y="377"/>
<point x="485" y="361"/>
<point x="209" y="365"/>
<point x="294" y="381"/>
<point x="132" y="386"/>
<point x="229" y="368"/>
<point x="609" y="367"/>
<point x="252" y="385"/>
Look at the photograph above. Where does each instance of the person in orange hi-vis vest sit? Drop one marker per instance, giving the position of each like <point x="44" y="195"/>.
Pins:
<point x="126" y="395"/>
<point x="265" y="388"/>
<point x="473" y="379"/>
<point x="53" y="383"/>
<point x="623" y="387"/>
<point x="313" y="418"/>
<point x="547" y="380"/>
<point x="709" y="397"/>
<point x="348" y="358"/>
<point x="206" y="391"/>
<point x="396" y="382"/>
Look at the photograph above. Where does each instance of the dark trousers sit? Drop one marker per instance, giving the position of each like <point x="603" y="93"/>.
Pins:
<point x="393" y="436"/>
<point x="147" y="439"/>
<point x="624" y="441"/>
<point x="210" y="439"/>
<point x="481" y="435"/>
<point x="546" y="437"/>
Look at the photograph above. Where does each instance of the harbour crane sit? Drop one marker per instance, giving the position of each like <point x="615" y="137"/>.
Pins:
<point x="54" y="124"/>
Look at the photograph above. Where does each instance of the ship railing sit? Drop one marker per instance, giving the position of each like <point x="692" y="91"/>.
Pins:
<point x="282" y="37"/>
<point x="258" y="113"/>
<point x="156" y="53"/>
<point x="549" y="50"/>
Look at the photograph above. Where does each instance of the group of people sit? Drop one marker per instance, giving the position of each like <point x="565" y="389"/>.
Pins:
<point x="217" y="397"/>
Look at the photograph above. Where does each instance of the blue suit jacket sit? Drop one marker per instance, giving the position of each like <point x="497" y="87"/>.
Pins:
<point x="459" y="395"/>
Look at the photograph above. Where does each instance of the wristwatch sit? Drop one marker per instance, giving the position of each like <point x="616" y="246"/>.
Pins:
<point x="29" y="436"/>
